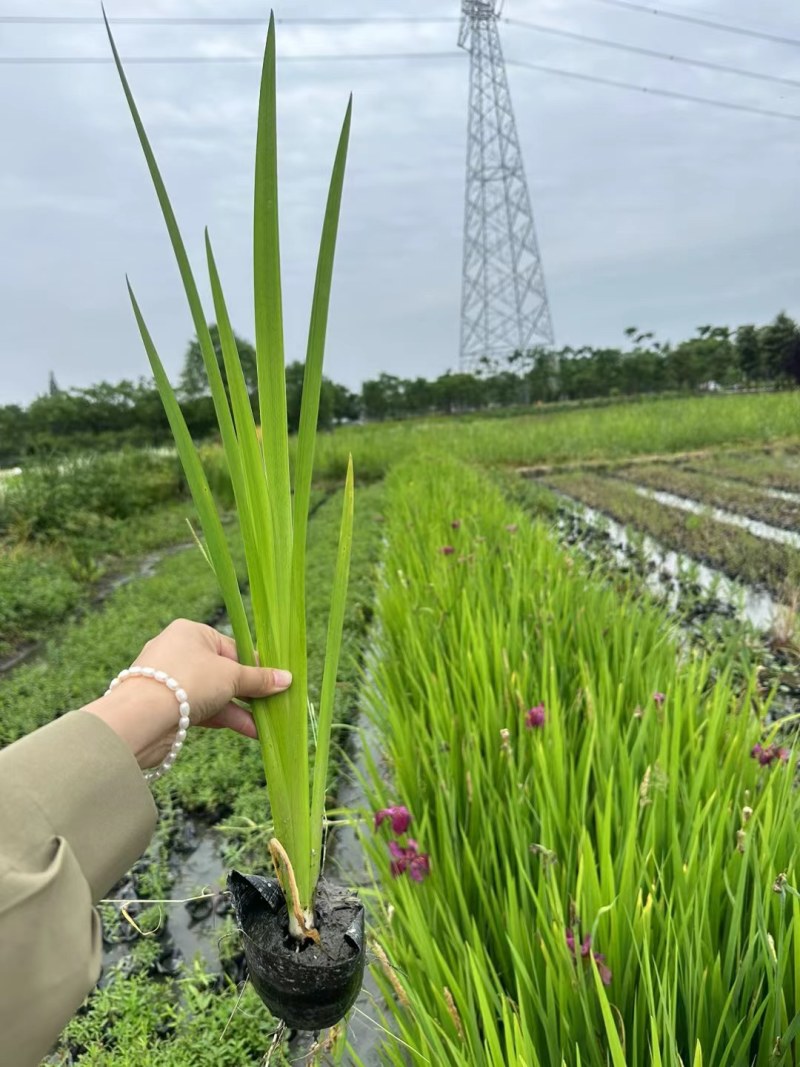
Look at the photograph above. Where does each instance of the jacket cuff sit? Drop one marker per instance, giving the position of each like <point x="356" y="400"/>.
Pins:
<point x="87" y="784"/>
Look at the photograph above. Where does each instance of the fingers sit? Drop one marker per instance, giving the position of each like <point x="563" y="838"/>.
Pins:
<point x="232" y="717"/>
<point x="226" y="646"/>
<point x="253" y="682"/>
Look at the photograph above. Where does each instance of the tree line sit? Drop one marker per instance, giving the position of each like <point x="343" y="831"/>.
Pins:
<point x="130" y="413"/>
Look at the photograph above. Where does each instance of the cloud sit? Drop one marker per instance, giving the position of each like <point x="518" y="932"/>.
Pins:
<point x="647" y="210"/>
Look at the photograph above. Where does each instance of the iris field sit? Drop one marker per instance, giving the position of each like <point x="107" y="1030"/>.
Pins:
<point x="584" y="743"/>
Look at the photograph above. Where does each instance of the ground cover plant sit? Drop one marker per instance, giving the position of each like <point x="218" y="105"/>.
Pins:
<point x="604" y="841"/>
<point x="709" y="489"/>
<point x="72" y="527"/>
<point x="50" y="501"/>
<point x="734" y="551"/>
<point x="44" y="584"/>
<point x="78" y="657"/>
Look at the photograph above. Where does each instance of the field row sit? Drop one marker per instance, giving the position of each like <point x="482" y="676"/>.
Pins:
<point x="723" y="510"/>
<point x="593" y="819"/>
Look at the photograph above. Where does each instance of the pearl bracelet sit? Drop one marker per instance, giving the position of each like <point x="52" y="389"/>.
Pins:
<point x="183" y="709"/>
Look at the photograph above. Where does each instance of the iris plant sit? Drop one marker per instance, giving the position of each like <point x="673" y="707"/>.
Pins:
<point x="272" y="507"/>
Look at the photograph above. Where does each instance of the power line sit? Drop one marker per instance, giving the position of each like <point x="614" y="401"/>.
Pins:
<point x="64" y="61"/>
<point x="696" y="20"/>
<point x="170" y="20"/>
<point x="651" y="91"/>
<point x="377" y="56"/>
<point x="198" y="20"/>
<point x="653" y="53"/>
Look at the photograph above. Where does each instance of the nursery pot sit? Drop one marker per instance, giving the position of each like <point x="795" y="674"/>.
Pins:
<point x="310" y="986"/>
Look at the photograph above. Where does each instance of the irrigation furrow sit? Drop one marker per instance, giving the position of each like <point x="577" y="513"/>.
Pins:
<point x="739" y="553"/>
<point x="759" y="529"/>
<point x="772" y="507"/>
<point x="668" y="569"/>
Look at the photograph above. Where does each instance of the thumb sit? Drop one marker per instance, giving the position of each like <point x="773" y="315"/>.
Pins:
<point x="253" y="682"/>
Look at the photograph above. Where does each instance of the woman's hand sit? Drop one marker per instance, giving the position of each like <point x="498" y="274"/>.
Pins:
<point x="145" y="713"/>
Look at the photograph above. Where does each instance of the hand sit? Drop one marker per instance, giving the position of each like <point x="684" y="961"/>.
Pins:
<point x="145" y="713"/>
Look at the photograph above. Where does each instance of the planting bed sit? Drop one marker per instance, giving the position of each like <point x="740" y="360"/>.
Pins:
<point x="734" y="551"/>
<point x="612" y="873"/>
<point x="776" y="468"/>
<point x="711" y="490"/>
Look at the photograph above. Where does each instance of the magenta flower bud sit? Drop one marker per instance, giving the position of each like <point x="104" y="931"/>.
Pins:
<point x="419" y="868"/>
<point x="447" y="550"/>
<point x="584" y="951"/>
<point x="659" y="698"/>
<point x="399" y="816"/>
<point x="456" y="524"/>
<point x="409" y="859"/>
<point x="536" y="717"/>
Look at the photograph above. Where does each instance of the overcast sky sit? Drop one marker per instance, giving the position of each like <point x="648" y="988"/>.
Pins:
<point x="649" y="212"/>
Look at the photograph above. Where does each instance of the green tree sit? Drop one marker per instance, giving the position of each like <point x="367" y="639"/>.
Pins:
<point x="778" y="341"/>
<point x="345" y="404"/>
<point x="14" y="432"/>
<point x="418" y="396"/>
<point x="194" y="383"/>
<point x="382" y="397"/>
<point x="748" y="346"/>
<point x="459" y="392"/>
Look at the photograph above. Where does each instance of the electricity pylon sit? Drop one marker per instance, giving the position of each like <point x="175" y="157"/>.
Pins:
<point x="504" y="306"/>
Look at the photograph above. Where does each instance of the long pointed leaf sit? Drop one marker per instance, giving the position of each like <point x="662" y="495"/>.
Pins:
<point x="332" y="649"/>
<point x="258" y="539"/>
<point x="269" y="320"/>
<point x="201" y="494"/>
<point x="221" y="406"/>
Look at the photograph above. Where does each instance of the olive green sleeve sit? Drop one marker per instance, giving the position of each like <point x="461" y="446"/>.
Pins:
<point x="75" y="814"/>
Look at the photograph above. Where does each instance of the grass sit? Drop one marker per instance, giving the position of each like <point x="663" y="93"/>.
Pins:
<point x="614" y="432"/>
<point x="588" y="821"/>
<point x="776" y="468"/>
<point x="645" y="824"/>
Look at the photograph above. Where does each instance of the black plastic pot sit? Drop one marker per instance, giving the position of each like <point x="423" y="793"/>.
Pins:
<point x="310" y="986"/>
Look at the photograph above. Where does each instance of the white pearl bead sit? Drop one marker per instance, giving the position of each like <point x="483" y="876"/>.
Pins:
<point x="184" y="709"/>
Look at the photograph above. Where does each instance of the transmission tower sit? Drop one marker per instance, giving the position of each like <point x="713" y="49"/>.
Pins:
<point x="504" y="307"/>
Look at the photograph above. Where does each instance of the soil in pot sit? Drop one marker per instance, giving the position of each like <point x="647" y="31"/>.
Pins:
<point x="310" y="985"/>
